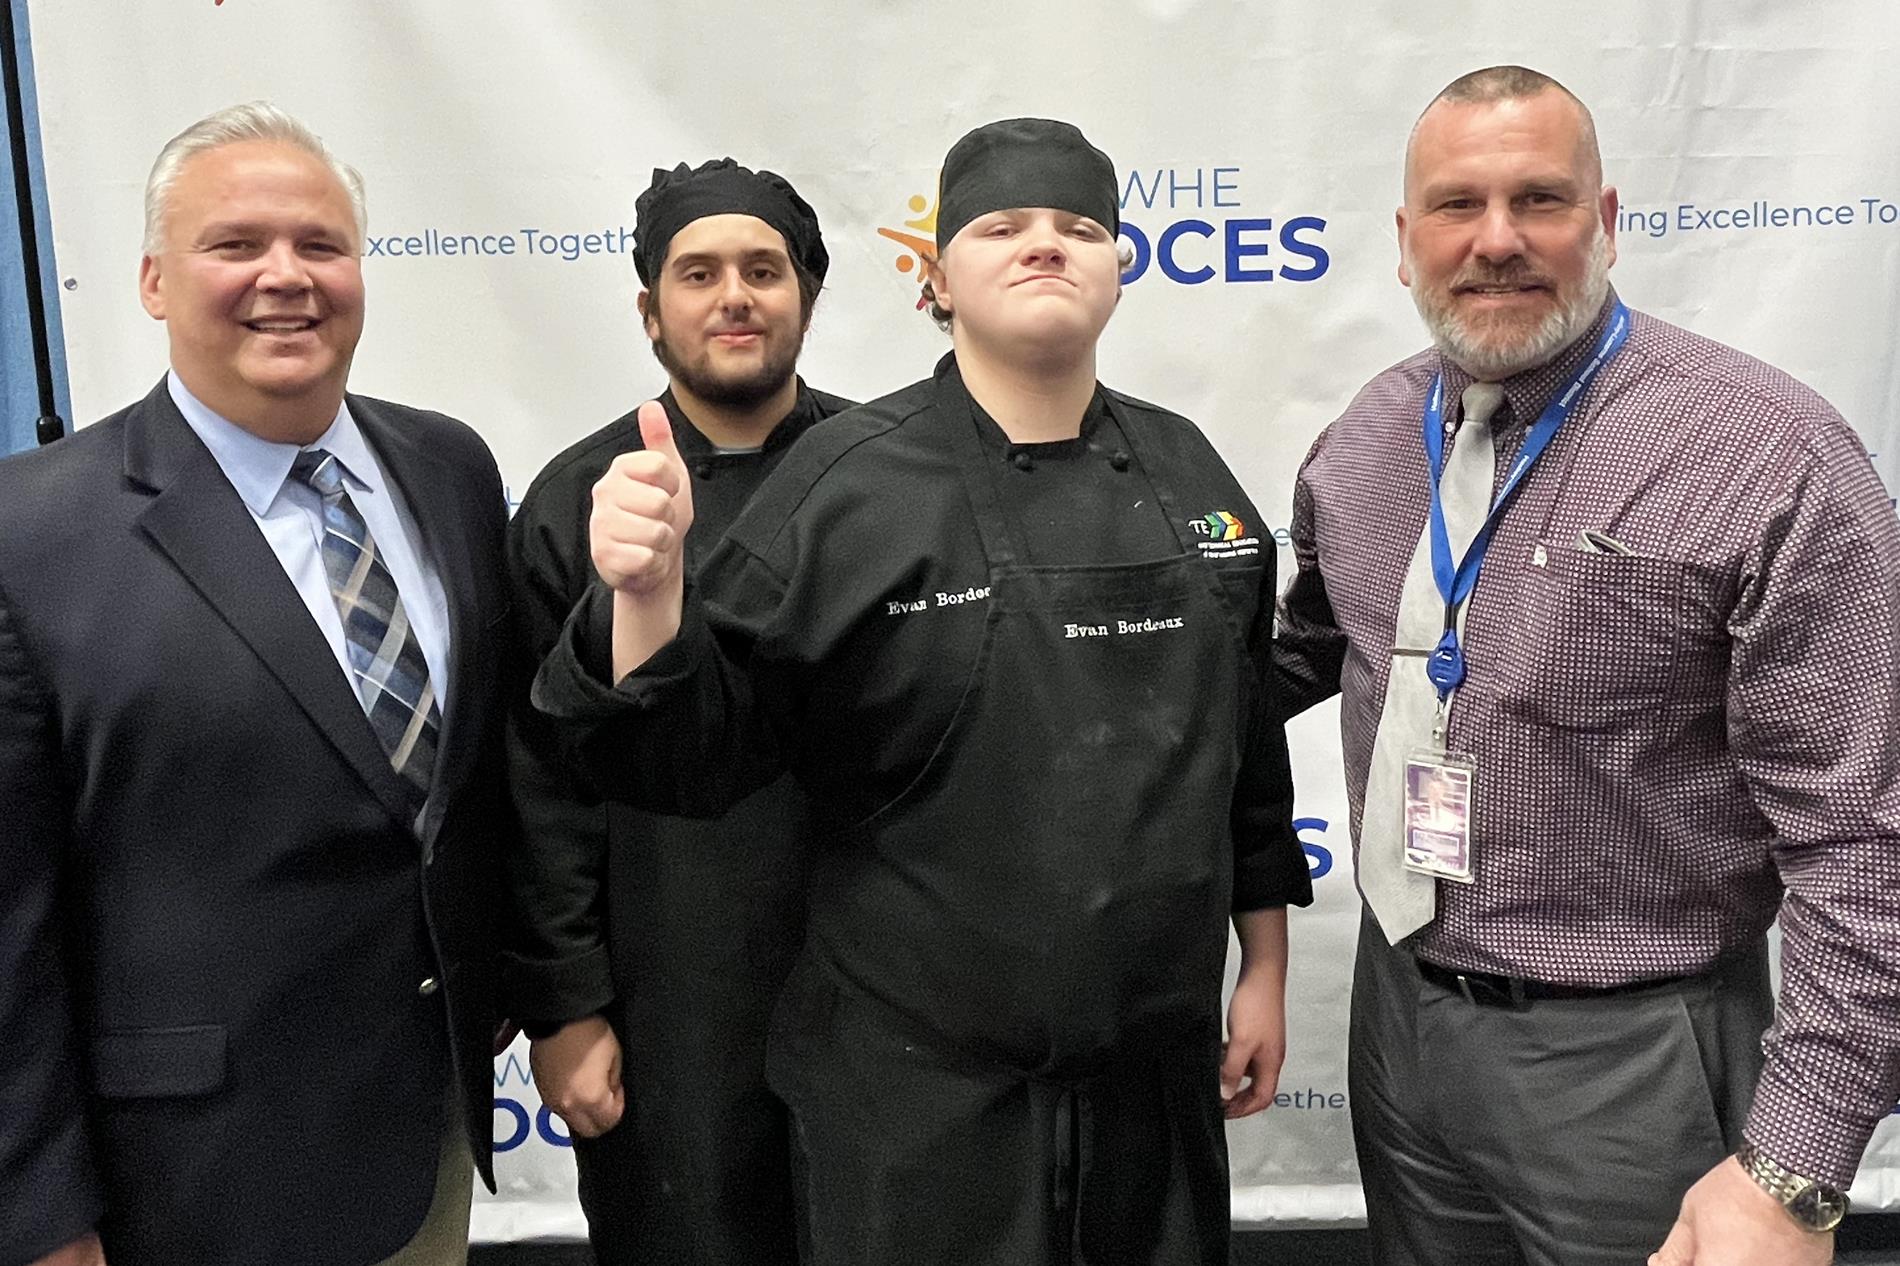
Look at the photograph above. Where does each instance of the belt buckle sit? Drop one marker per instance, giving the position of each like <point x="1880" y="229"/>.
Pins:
<point x="1507" y="991"/>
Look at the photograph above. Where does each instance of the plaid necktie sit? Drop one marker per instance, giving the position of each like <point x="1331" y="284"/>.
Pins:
<point x="386" y="663"/>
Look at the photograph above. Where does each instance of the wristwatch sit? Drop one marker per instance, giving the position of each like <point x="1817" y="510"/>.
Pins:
<point x="1816" y="1206"/>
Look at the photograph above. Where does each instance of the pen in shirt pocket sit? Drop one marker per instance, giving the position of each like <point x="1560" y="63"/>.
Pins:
<point x="1589" y="541"/>
<point x="1592" y="542"/>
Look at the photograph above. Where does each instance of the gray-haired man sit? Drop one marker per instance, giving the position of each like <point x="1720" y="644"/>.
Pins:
<point x="251" y="762"/>
<point x="1634" y="691"/>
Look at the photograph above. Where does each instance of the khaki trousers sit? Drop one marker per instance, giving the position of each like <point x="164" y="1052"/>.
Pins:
<point x="442" y="1239"/>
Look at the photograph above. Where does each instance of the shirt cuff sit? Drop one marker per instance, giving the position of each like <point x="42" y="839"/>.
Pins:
<point x="542" y="995"/>
<point x="1274" y="873"/>
<point x="1803" y="1129"/>
<point x="575" y="682"/>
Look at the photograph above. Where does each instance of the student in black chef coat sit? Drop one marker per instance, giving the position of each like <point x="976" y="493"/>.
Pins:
<point x="1007" y="628"/>
<point x="648" y="949"/>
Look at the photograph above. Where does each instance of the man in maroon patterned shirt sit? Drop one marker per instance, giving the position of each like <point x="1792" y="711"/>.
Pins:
<point x="1674" y="690"/>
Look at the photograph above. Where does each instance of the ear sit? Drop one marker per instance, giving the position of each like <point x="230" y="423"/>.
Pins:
<point x="1405" y="269"/>
<point x="1606" y="207"/>
<point x="649" y="313"/>
<point x="939" y="283"/>
<point x="151" y="292"/>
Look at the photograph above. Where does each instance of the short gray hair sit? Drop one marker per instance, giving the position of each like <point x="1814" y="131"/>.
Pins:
<point x="1515" y="83"/>
<point x="252" y="121"/>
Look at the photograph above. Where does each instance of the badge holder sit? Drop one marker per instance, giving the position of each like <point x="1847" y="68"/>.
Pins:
<point x="1438" y="815"/>
<point x="1438" y="786"/>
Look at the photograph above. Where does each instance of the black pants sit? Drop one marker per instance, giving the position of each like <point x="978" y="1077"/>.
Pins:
<point x="706" y="919"/>
<point x="683" y="1180"/>
<point x="907" y="1154"/>
<point x="1561" y="1134"/>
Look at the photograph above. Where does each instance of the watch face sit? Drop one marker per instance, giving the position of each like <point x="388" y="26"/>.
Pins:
<point x="1819" y="1208"/>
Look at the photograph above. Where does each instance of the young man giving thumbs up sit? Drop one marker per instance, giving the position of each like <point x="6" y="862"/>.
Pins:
<point x="648" y="948"/>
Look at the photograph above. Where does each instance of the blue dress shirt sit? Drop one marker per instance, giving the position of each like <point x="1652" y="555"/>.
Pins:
<point x="290" y="515"/>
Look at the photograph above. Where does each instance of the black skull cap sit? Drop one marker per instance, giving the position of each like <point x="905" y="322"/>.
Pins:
<point x="1025" y="163"/>
<point x="721" y="186"/>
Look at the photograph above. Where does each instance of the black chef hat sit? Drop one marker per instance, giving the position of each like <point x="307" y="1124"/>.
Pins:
<point x="720" y="186"/>
<point x="1025" y="163"/>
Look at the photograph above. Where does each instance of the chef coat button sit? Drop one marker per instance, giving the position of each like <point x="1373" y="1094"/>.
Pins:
<point x="428" y="986"/>
<point x="702" y="470"/>
<point x="1024" y="461"/>
<point x="1119" y="460"/>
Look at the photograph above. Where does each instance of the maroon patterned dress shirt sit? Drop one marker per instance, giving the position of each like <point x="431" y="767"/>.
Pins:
<point x="1674" y="745"/>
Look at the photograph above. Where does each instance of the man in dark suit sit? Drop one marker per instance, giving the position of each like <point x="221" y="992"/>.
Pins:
<point x="250" y="765"/>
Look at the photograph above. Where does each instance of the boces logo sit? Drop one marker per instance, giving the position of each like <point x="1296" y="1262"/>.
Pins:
<point x="919" y="245"/>
<point x="1189" y="225"/>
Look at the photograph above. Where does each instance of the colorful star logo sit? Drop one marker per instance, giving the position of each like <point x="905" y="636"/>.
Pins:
<point x="920" y="245"/>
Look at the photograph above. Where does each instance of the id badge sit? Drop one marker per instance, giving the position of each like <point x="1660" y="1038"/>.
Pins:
<point x="1438" y="815"/>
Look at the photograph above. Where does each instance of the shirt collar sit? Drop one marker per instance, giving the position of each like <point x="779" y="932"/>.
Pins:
<point x="257" y="467"/>
<point x="692" y="443"/>
<point x="997" y="439"/>
<point x="994" y="437"/>
<point x="1529" y="392"/>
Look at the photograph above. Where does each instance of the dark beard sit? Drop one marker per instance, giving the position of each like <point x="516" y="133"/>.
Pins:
<point x="731" y="393"/>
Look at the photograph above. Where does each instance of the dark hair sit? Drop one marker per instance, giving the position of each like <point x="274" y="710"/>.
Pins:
<point x="927" y="300"/>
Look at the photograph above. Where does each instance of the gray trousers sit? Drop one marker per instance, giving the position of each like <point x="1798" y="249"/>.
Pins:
<point x="1561" y="1134"/>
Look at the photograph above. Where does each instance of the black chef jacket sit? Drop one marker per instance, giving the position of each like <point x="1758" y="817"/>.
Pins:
<point x="556" y="963"/>
<point x="833" y="630"/>
<point x="680" y="933"/>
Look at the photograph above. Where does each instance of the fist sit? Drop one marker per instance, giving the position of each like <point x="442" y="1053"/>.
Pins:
<point x="643" y="507"/>
<point x="577" y="1071"/>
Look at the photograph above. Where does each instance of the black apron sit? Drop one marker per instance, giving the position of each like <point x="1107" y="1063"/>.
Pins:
<point x="705" y="919"/>
<point x="1002" y="1041"/>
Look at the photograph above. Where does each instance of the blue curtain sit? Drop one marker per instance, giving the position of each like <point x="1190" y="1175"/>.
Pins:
<point x="19" y="390"/>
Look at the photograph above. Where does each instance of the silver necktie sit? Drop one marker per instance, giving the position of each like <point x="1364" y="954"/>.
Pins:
<point x="1404" y="901"/>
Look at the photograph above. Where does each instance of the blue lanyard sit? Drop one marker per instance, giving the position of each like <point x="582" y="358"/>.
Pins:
<point x="1446" y="664"/>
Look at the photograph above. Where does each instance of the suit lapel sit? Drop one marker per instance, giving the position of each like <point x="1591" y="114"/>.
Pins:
<point x="441" y="519"/>
<point x="198" y="520"/>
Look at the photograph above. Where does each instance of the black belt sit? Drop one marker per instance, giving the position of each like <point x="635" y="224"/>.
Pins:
<point x="1487" y="990"/>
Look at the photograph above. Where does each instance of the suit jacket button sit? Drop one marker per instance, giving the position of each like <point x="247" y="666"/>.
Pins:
<point x="428" y="986"/>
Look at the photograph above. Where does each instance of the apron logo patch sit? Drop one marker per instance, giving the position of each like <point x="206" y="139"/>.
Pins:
<point x="1224" y="535"/>
<point x="1219" y="526"/>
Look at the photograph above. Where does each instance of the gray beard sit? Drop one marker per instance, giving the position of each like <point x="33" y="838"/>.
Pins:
<point x="1489" y="361"/>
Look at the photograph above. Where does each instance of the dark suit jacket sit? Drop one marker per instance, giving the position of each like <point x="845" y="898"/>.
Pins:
<point x="233" y="981"/>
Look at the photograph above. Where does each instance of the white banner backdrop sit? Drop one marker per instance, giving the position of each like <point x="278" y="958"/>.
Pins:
<point x="1756" y="145"/>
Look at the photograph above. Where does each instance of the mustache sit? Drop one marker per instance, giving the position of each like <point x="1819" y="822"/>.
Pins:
<point x="1510" y="273"/>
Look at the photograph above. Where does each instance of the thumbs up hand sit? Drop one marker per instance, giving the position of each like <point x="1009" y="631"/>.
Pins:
<point x="643" y="507"/>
